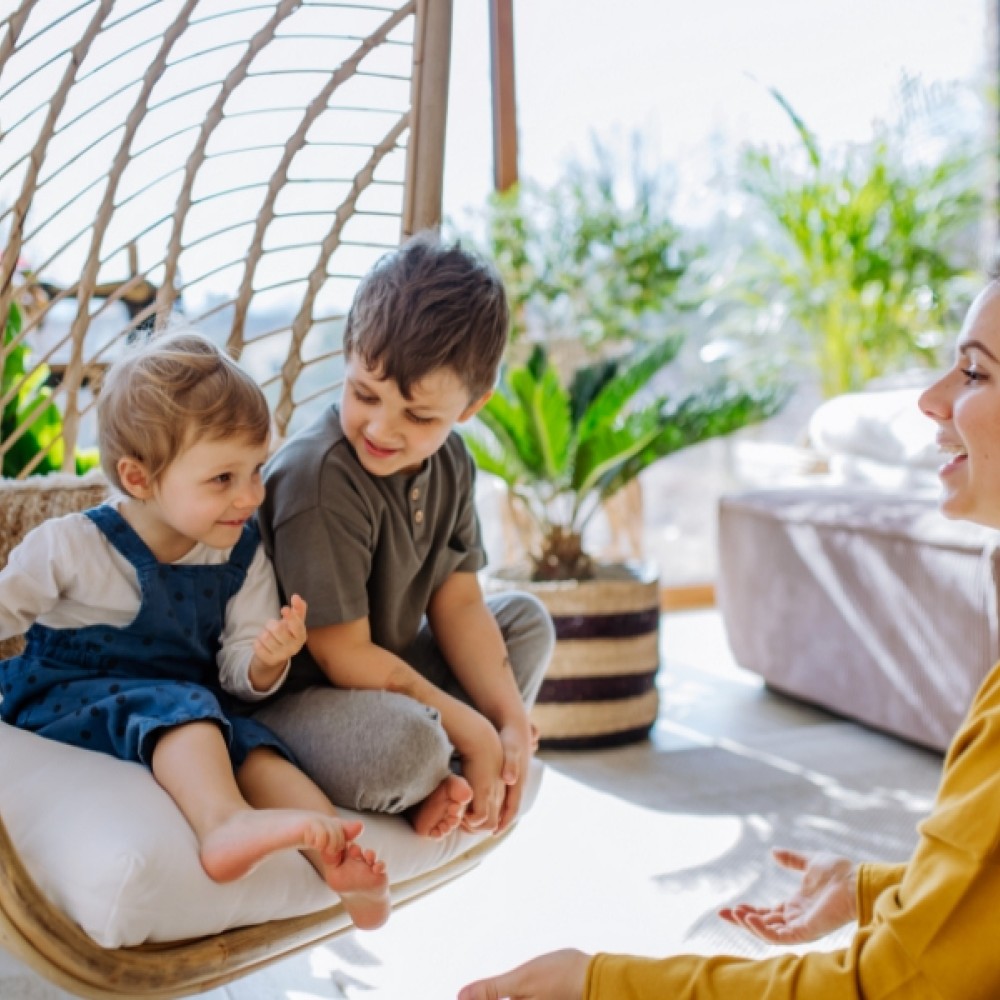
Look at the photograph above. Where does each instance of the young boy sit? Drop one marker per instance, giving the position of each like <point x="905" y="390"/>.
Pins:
<point x="370" y="517"/>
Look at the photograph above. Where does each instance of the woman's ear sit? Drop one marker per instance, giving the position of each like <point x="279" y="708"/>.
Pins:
<point x="134" y="478"/>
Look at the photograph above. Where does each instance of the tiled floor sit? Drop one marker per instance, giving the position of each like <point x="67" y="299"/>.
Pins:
<point x="636" y="848"/>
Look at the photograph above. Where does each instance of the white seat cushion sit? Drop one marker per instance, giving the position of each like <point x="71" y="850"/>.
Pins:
<point x="109" y="848"/>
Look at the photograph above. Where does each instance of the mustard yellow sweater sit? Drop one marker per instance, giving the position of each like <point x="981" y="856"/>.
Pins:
<point x="927" y="930"/>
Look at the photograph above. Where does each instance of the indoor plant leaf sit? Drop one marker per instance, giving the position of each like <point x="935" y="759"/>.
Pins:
<point x="629" y="376"/>
<point x="546" y="408"/>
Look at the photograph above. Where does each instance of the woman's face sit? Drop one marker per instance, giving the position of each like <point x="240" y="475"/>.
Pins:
<point x="965" y="404"/>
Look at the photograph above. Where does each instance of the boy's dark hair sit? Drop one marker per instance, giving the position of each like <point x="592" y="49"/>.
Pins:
<point x="427" y="306"/>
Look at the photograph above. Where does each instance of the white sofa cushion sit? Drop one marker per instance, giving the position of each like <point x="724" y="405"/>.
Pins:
<point x="108" y="846"/>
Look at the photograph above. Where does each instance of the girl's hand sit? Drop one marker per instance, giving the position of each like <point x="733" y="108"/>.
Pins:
<point x="281" y="639"/>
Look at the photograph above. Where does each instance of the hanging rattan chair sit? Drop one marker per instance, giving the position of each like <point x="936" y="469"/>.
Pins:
<point x="241" y="164"/>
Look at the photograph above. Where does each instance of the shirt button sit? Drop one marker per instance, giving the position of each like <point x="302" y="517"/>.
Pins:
<point x="415" y="493"/>
<point x="419" y="517"/>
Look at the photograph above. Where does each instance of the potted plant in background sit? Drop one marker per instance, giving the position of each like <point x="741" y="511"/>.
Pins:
<point x="870" y="249"/>
<point x="591" y="265"/>
<point x="31" y="486"/>
<point x="30" y="419"/>
<point x="563" y="448"/>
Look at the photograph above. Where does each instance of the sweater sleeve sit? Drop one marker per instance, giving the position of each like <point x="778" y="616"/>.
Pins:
<point x="873" y="880"/>
<point x="925" y="936"/>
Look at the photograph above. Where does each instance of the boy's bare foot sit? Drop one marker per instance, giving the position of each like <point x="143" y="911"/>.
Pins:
<point x="442" y="810"/>
<point x="231" y="850"/>
<point x="359" y="878"/>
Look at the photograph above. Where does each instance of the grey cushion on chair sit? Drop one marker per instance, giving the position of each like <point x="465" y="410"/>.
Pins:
<point x="865" y="602"/>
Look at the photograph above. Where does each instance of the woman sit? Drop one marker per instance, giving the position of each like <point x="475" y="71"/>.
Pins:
<point x="923" y="926"/>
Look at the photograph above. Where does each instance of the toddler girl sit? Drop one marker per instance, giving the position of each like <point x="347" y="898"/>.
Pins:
<point x="150" y="617"/>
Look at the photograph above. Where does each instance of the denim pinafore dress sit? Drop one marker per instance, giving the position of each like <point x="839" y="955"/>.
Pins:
<point x="117" y="690"/>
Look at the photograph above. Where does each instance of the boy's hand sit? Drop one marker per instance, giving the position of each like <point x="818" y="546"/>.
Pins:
<point x="482" y="765"/>
<point x="518" y="745"/>
<point x="281" y="639"/>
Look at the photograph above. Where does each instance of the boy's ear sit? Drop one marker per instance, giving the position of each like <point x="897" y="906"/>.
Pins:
<point x="134" y="478"/>
<point x="474" y="407"/>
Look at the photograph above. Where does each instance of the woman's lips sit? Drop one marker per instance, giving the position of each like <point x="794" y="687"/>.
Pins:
<point x="952" y="464"/>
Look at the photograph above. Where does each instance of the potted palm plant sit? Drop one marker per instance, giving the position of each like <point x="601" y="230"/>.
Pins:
<point x="563" y="450"/>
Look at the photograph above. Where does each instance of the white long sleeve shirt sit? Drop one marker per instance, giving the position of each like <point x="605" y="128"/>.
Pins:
<point x="66" y="574"/>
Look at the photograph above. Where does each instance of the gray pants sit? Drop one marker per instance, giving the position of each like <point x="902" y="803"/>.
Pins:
<point x="384" y="752"/>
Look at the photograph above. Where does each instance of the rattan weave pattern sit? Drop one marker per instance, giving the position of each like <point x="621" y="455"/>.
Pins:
<point x="234" y="163"/>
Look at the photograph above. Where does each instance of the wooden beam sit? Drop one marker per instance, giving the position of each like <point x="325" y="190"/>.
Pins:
<point x="425" y="150"/>
<point x="504" y="94"/>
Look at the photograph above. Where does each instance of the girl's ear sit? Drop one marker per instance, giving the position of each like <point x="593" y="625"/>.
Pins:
<point x="134" y="478"/>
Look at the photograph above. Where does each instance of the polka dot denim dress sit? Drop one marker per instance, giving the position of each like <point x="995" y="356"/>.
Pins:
<point x="117" y="690"/>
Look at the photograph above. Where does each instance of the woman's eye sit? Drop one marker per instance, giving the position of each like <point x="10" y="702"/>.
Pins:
<point x="971" y="375"/>
<point x="420" y="420"/>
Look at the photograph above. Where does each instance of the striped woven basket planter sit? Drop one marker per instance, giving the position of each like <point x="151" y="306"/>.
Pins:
<point x="25" y="503"/>
<point x="600" y="688"/>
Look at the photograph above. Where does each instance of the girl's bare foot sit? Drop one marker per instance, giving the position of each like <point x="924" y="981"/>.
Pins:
<point x="232" y="850"/>
<point x="359" y="878"/>
<point x="442" y="810"/>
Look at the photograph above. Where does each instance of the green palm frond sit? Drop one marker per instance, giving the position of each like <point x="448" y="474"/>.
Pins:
<point x="634" y="373"/>
<point x="713" y="412"/>
<point x="545" y="406"/>
<point x="607" y="449"/>
<point x="492" y="458"/>
<point x="507" y="421"/>
<point x="588" y="381"/>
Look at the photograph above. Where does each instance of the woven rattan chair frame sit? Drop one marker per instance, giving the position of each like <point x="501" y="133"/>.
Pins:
<point x="30" y="926"/>
<point x="182" y="170"/>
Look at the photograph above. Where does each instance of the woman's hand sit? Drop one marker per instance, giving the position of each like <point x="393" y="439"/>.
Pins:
<point x="560" y="975"/>
<point x="825" y="901"/>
